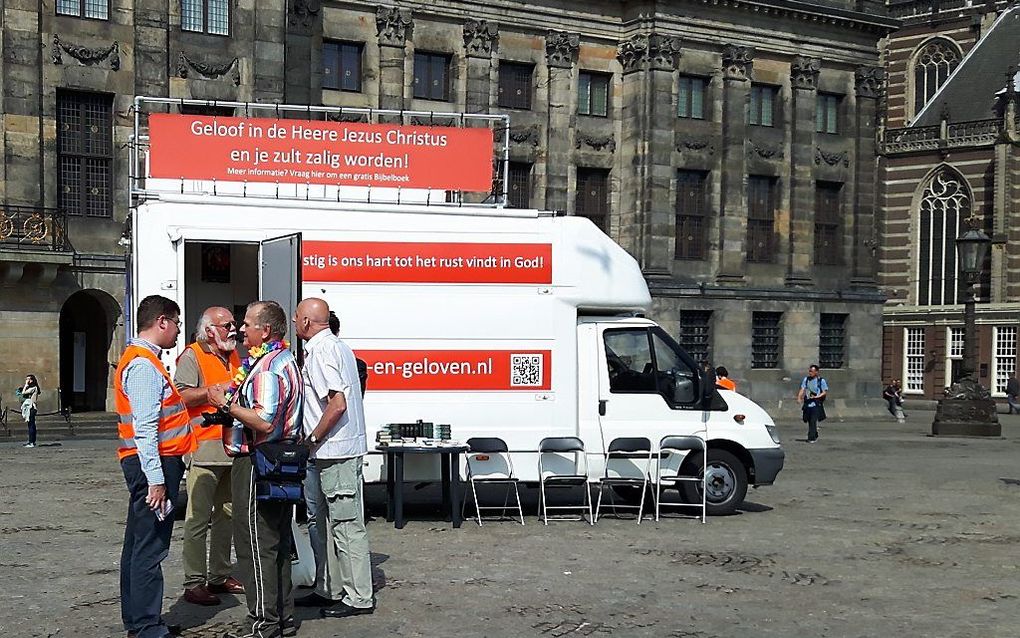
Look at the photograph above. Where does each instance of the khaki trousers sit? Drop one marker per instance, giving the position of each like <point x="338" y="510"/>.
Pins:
<point x="348" y="573"/>
<point x="208" y="501"/>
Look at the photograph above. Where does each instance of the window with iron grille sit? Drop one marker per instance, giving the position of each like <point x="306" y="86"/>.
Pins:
<point x="519" y="185"/>
<point x="691" y="97"/>
<point x="913" y="360"/>
<point x="766" y="339"/>
<point x="696" y="333"/>
<point x="763" y="101"/>
<point x="828" y="223"/>
<point x="1004" y="342"/>
<point x="96" y="9"/>
<point x="832" y="341"/>
<point x="206" y="16"/>
<point x="592" y="196"/>
<point x="761" y="219"/>
<point x="827" y="113"/>
<point x="515" y="82"/>
<point x="691" y="215"/>
<point x="341" y="66"/>
<point x="85" y="153"/>
<point x="593" y="94"/>
<point x="432" y="76"/>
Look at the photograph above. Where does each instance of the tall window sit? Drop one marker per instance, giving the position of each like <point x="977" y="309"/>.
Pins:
<point x="98" y="9"/>
<point x="1005" y="357"/>
<point x="761" y="219"/>
<point x="827" y="113"/>
<point x="766" y="339"/>
<point x="206" y="16"/>
<point x="432" y="76"/>
<point x="691" y="97"/>
<point x="763" y="102"/>
<point x="832" y="341"/>
<point x="515" y="82"/>
<point x="691" y="215"/>
<point x="519" y="185"/>
<point x="954" y="354"/>
<point x="593" y="94"/>
<point x="341" y="66"/>
<point x="913" y="364"/>
<point x="944" y="203"/>
<point x="696" y="333"/>
<point x="85" y="153"/>
<point x="933" y="64"/>
<point x="592" y="196"/>
<point x="828" y="223"/>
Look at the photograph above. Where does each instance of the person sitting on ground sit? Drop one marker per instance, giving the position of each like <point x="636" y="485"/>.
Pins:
<point x="891" y="394"/>
<point x="722" y="379"/>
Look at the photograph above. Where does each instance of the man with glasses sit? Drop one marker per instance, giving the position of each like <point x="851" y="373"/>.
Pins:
<point x="211" y="361"/>
<point x="155" y="433"/>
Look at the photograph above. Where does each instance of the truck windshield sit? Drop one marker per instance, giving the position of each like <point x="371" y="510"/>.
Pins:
<point x="641" y="361"/>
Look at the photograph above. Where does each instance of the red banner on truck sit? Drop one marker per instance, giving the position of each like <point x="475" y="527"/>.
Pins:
<point x="423" y="370"/>
<point x="426" y="262"/>
<point x="310" y="152"/>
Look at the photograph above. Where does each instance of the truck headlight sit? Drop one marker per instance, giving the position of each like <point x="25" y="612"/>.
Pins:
<point x="774" y="433"/>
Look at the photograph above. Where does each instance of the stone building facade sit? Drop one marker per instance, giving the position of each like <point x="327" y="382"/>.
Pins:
<point x="950" y="161"/>
<point x="729" y="146"/>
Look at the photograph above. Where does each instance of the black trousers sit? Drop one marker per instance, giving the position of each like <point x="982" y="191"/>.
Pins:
<point x="146" y="544"/>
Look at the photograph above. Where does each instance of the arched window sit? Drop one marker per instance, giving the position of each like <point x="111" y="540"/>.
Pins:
<point x="933" y="63"/>
<point x="945" y="202"/>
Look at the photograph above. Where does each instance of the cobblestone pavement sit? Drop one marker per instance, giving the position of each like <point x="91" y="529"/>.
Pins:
<point x="877" y="530"/>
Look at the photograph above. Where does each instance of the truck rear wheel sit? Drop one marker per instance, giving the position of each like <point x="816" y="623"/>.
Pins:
<point x="727" y="481"/>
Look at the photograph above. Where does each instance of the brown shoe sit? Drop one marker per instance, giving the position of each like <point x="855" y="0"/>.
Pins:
<point x="201" y="596"/>
<point x="230" y="586"/>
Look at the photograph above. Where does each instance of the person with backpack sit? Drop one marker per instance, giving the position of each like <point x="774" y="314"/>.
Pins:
<point x="813" y="390"/>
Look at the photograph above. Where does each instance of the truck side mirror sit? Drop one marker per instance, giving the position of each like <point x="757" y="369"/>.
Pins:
<point x="684" y="391"/>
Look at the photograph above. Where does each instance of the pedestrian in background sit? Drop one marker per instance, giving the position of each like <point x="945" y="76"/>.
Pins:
<point x="155" y="433"/>
<point x="894" y="400"/>
<point x="813" y="390"/>
<point x="29" y="397"/>
<point x="1013" y="393"/>
<point x="722" y="379"/>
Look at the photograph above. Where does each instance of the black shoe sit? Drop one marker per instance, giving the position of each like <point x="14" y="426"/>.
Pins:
<point x="343" y="610"/>
<point x="314" y="599"/>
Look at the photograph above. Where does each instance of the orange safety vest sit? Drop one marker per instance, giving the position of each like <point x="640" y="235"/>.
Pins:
<point x="726" y="384"/>
<point x="211" y="368"/>
<point x="175" y="436"/>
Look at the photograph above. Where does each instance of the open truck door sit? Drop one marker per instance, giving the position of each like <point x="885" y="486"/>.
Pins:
<point x="280" y="276"/>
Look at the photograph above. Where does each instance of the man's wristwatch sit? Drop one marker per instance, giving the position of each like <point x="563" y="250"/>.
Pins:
<point x="314" y="440"/>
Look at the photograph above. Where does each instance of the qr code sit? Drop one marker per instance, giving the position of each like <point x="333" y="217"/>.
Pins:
<point x="526" y="370"/>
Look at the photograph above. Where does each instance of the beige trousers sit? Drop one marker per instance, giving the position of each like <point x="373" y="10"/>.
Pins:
<point x="348" y="573"/>
<point x="208" y="501"/>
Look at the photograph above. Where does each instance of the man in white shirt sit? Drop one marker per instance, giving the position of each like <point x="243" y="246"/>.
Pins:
<point x="334" y="426"/>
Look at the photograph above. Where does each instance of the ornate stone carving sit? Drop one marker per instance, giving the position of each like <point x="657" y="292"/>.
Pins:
<point x="967" y="389"/>
<point x="804" y="72"/>
<point x="433" y="121"/>
<point x="525" y="135"/>
<point x="304" y="12"/>
<point x="737" y="62"/>
<point x="347" y="117"/>
<point x="697" y="144"/>
<point x="209" y="71"/>
<point x="660" y="51"/>
<point x="85" y="55"/>
<point x="870" y="81"/>
<point x="764" y="152"/>
<point x="481" y="37"/>
<point x="595" y="142"/>
<point x="393" y="25"/>
<point x="831" y="158"/>
<point x="561" y="49"/>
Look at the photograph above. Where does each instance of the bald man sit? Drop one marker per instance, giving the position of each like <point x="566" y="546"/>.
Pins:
<point x="212" y="360"/>
<point x="334" y="427"/>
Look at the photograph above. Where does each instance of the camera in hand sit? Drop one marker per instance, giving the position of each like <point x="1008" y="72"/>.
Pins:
<point x="219" y="417"/>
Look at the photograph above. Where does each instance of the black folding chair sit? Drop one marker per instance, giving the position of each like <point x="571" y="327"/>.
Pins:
<point x="672" y="452"/>
<point x="628" y="464"/>
<point x="489" y="463"/>
<point x="563" y="463"/>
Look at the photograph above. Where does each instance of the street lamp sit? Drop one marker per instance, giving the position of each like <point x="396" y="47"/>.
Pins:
<point x="971" y="250"/>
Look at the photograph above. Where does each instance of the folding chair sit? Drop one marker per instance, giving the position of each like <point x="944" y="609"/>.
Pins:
<point x="555" y="469"/>
<point x="489" y="463"/>
<point x="672" y="452"/>
<point x="628" y="464"/>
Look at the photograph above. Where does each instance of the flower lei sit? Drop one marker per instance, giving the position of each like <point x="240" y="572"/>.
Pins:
<point x="254" y="355"/>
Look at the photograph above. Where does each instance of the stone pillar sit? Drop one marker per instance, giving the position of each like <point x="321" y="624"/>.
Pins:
<point x="869" y="84"/>
<point x="394" y="27"/>
<point x="304" y="27"/>
<point x="560" y="55"/>
<point x="481" y="40"/>
<point x="649" y="61"/>
<point x="804" y="82"/>
<point x="737" y="64"/>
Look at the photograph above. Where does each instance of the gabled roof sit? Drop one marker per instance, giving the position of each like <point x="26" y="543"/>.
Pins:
<point x="970" y="91"/>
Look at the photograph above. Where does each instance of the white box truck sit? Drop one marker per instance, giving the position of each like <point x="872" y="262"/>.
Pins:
<point x="518" y="324"/>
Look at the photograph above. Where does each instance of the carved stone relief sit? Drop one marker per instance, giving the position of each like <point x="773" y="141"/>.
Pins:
<point x="525" y="135"/>
<point x="561" y="49"/>
<point x="737" y="62"/>
<point x="393" y="25"/>
<point x="870" y="81"/>
<point x="595" y="142"/>
<point x="804" y="72"/>
<point x="304" y="12"/>
<point x="85" y="55"/>
<point x="660" y="51"/>
<point x="696" y="144"/>
<point x="832" y="159"/>
<point x="764" y="151"/>
<point x="209" y="71"/>
<point x="481" y="37"/>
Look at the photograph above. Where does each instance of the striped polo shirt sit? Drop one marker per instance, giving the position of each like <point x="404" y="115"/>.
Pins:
<point x="274" y="390"/>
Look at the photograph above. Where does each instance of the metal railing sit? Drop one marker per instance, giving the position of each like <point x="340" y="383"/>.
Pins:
<point x="953" y="135"/>
<point x="33" y="228"/>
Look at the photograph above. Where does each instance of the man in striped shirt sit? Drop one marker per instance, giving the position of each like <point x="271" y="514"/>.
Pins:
<point x="268" y="409"/>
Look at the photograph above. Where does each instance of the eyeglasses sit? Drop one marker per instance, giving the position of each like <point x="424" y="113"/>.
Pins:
<point x="227" y="325"/>
<point x="176" y="322"/>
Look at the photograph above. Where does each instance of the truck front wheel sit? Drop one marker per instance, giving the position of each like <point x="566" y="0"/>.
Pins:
<point x="726" y="481"/>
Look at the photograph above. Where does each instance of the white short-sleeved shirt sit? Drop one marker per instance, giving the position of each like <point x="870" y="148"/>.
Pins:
<point x="330" y="365"/>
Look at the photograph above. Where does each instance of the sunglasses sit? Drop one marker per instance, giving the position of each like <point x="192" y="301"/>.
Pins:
<point x="226" y="325"/>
